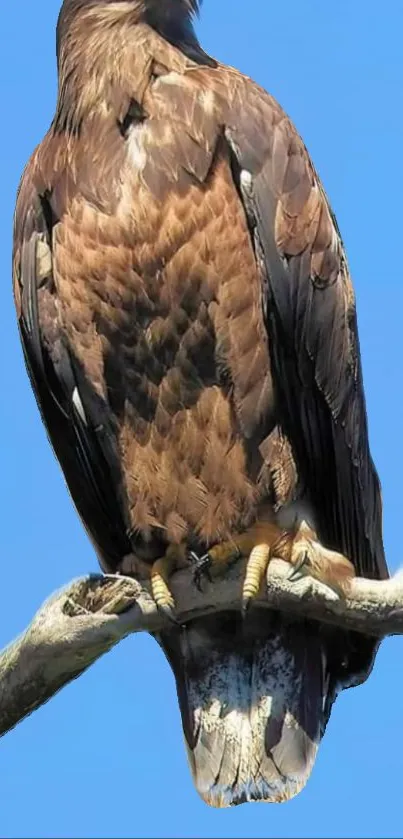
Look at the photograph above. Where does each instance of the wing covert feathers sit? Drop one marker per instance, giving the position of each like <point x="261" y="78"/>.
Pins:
<point x="309" y="310"/>
<point x="62" y="392"/>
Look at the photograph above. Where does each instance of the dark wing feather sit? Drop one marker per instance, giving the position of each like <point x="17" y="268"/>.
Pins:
<point x="80" y="442"/>
<point x="309" y="311"/>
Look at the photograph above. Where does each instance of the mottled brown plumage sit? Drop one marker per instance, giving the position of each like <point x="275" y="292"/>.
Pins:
<point x="189" y="327"/>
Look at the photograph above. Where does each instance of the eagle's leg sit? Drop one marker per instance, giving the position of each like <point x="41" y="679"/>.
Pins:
<point x="215" y="561"/>
<point x="161" y="571"/>
<point x="259" y="544"/>
<point x="308" y="556"/>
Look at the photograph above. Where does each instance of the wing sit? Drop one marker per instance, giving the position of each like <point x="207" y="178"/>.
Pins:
<point x="80" y="441"/>
<point x="309" y="311"/>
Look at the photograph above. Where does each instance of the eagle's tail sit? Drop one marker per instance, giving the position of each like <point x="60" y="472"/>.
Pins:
<point x="253" y="697"/>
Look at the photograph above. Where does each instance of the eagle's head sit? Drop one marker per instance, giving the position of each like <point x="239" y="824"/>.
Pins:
<point x="161" y="9"/>
<point x="168" y="12"/>
<point x="167" y="16"/>
<point x="173" y="19"/>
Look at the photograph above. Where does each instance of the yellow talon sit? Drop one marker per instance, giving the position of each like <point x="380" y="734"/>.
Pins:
<point x="242" y="544"/>
<point x="221" y="555"/>
<point x="256" y="568"/>
<point x="160" y="573"/>
<point x="159" y="583"/>
<point x="263" y="540"/>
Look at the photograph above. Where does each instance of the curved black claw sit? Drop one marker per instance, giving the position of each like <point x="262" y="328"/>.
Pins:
<point x="169" y="613"/>
<point x="245" y="606"/>
<point x="201" y="568"/>
<point x="295" y="571"/>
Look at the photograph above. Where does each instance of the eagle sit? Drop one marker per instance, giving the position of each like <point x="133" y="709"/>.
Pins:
<point x="189" y="328"/>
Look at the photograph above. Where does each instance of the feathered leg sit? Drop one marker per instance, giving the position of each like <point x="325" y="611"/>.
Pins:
<point x="308" y="556"/>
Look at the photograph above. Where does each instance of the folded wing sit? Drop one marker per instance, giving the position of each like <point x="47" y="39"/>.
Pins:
<point x="310" y="316"/>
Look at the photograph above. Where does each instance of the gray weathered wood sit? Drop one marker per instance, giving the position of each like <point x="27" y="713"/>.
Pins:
<point x="89" y="616"/>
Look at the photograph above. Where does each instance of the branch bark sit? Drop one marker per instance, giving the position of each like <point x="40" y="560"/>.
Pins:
<point x="88" y="617"/>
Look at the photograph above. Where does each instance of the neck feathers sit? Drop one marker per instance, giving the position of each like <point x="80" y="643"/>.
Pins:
<point x="104" y="45"/>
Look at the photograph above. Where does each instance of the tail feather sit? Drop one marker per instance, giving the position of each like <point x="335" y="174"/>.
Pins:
<point x="252" y="696"/>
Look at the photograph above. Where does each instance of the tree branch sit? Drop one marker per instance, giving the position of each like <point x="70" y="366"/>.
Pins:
<point x="88" y="617"/>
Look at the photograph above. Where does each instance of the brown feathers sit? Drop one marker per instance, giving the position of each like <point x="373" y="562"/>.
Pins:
<point x="105" y="51"/>
<point x="188" y="324"/>
<point x="147" y="327"/>
<point x="187" y="233"/>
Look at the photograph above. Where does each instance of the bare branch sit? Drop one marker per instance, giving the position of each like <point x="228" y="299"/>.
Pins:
<point x="87" y="618"/>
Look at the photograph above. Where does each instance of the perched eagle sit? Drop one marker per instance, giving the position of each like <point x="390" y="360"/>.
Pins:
<point x="189" y="328"/>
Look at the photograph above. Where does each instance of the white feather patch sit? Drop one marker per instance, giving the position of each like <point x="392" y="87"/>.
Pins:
<point x="256" y="717"/>
<point x="76" y="399"/>
<point x="135" y="145"/>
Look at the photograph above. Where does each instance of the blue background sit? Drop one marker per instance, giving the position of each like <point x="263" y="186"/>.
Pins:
<point x="105" y="757"/>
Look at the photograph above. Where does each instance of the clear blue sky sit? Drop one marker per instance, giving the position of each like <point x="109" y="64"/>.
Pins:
<point x="105" y="757"/>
